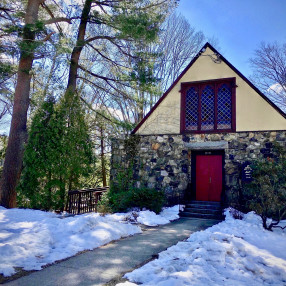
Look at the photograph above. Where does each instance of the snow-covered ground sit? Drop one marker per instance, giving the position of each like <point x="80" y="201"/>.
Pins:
<point x="233" y="252"/>
<point x="31" y="239"/>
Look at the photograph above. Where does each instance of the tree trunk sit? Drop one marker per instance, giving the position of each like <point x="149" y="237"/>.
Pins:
<point x="18" y="130"/>
<point x="140" y="106"/>
<point x="103" y="169"/>
<point x="71" y="87"/>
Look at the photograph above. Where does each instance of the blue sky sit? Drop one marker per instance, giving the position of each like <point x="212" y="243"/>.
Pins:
<point x="239" y="25"/>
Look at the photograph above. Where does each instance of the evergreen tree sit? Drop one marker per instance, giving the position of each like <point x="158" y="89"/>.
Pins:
<point x="59" y="152"/>
<point x="34" y="188"/>
<point x="76" y="154"/>
<point x="266" y="194"/>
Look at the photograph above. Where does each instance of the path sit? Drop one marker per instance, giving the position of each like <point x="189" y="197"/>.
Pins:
<point x="103" y="264"/>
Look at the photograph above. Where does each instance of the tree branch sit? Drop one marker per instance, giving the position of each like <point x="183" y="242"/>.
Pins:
<point x="100" y="76"/>
<point x="57" y="20"/>
<point x="100" y="38"/>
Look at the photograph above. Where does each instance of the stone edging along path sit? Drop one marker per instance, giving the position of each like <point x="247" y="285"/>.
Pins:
<point x="107" y="263"/>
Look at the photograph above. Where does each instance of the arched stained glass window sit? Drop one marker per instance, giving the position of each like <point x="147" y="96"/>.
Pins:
<point x="207" y="108"/>
<point x="224" y="107"/>
<point x="192" y="101"/>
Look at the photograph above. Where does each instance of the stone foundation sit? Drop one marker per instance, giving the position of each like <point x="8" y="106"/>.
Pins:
<point x="164" y="162"/>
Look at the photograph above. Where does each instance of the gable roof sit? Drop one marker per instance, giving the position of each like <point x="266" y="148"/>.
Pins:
<point x="207" y="45"/>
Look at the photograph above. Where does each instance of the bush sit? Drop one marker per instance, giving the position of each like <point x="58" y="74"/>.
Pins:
<point x="123" y="194"/>
<point x="103" y="205"/>
<point x="266" y="194"/>
<point x="141" y="198"/>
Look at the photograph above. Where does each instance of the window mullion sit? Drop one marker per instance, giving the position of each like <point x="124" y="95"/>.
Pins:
<point x="215" y="106"/>
<point x="199" y="108"/>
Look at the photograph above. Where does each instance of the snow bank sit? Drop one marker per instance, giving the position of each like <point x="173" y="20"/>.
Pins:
<point x="234" y="252"/>
<point x="151" y="219"/>
<point x="32" y="239"/>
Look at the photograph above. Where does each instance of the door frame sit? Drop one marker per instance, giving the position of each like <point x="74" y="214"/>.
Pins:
<point x="194" y="155"/>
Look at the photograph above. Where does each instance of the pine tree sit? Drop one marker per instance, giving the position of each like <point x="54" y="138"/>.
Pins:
<point x="76" y="155"/>
<point x="35" y="190"/>
<point x="59" y="152"/>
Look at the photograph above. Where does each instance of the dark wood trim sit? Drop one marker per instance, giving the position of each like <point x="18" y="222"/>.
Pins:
<point x="184" y="85"/>
<point x="199" y="111"/>
<point x="214" y="83"/>
<point x="194" y="154"/>
<point x="207" y="45"/>
<point x="183" y="107"/>
<point x="233" y="105"/>
<point x="215" y="105"/>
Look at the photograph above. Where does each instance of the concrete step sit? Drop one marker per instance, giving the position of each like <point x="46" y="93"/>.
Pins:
<point x="205" y="203"/>
<point x="201" y="215"/>
<point x="203" y="210"/>
<point x="203" y="206"/>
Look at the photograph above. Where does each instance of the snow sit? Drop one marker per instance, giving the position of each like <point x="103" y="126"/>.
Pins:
<point x="151" y="219"/>
<point x="233" y="252"/>
<point x="31" y="239"/>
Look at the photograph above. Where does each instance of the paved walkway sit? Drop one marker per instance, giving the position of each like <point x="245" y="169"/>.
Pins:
<point x="103" y="264"/>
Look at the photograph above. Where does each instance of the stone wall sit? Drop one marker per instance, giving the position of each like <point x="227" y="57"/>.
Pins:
<point x="164" y="162"/>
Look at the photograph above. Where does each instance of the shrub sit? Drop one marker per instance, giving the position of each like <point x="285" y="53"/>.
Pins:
<point x="123" y="194"/>
<point x="114" y="201"/>
<point x="266" y="194"/>
<point x="150" y="199"/>
<point x="103" y="205"/>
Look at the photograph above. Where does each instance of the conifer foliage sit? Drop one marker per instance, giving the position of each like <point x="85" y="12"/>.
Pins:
<point x="266" y="194"/>
<point x="58" y="153"/>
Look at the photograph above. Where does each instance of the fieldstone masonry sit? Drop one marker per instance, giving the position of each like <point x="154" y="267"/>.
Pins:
<point x="164" y="162"/>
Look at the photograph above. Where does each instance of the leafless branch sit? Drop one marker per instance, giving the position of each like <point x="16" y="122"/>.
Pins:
<point x="57" y="20"/>
<point x="269" y="66"/>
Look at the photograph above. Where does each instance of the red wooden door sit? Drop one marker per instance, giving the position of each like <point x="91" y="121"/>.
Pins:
<point x="208" y="177"/>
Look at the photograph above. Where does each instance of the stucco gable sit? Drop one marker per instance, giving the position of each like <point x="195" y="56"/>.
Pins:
<point x="254" y="111"/>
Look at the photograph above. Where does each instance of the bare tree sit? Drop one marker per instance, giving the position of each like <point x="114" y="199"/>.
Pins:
<point x="179" y="42"/>
<point x="269" y="67"/>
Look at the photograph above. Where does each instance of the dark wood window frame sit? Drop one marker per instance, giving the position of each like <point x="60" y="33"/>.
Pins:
<point x="216" y="82"/>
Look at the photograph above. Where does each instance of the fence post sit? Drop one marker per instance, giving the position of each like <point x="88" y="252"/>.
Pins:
<point x="79" y="203"/>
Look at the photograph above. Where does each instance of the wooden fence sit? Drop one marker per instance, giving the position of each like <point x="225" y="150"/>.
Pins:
<point x="84" y="201"/>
